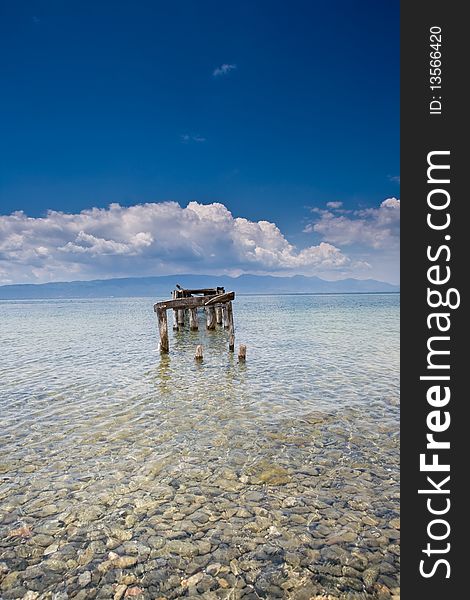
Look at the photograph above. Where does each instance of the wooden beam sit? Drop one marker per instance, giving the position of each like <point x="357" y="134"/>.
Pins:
<point x="194" y="302"/>
<point x="203" y="291"/>
<point x="221" y="298"/>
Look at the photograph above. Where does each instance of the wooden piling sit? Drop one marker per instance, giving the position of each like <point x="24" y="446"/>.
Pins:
<point x="218" y="315"/>
<point x="175" y="313"/>
<point x="231" y="327"/>
<point x="225" y="316"/>
<point x="181" y="317"/>
<point x="242" y="353"/>
<point x="210" y="315"/>
<point x="163" y="329"/>
<point x="198" y="356"/>
<point x="193" y="319"/>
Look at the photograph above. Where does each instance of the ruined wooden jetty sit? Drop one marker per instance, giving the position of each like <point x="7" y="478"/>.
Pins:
<point x="216" y="302"/>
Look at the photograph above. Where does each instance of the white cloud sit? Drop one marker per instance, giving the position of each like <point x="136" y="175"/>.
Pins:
<point x="186" y="138"/>
<point x="377" y="228"/>
<point x="86" y="243"/>
<point x="334" y="205"/>
<point x="152" y="239"/>
<point x="223" y="69"/>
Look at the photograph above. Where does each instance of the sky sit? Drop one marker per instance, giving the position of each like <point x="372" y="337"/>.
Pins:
<point x="149" y="137"/>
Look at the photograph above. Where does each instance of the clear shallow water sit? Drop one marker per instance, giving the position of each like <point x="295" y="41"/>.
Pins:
<point x="274" y="478"/>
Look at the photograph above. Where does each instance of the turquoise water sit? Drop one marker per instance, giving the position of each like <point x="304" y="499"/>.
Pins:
<point x="282" y="472"/>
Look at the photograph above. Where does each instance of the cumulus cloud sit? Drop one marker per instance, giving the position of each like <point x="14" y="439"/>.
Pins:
<point x="223" y="69"/>
<point x="152" y="239"/>
<point x="377" y="228"/>
<point x="334" y="205"/>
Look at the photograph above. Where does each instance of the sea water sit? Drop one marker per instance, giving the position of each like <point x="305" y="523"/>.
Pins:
<point x="127" y="472"/>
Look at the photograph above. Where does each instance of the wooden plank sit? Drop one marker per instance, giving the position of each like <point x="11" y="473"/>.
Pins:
<point x="185" y="293"/>
<point x="218" y="315"/>
<point x="220" y="298"/>
<point x="193" y="302"/>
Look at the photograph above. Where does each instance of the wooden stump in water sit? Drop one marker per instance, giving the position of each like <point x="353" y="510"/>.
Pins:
<point x="242" y="353"/>
<point x="218" y="315"/>
<point x="163" y="329"/>
<point x="231" y="327"/>
<point x="193" y="319"/>
<point x="198" y="355"/>
<point x="210" y="314"/>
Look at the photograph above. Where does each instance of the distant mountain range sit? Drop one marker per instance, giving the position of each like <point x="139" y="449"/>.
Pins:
<point x="161" y="286"/>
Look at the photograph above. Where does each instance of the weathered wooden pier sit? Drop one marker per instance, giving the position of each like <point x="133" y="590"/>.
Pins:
<point x="216" y="302"/>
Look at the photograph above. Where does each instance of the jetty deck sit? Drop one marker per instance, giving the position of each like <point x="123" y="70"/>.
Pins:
<point x="184" y="304"/>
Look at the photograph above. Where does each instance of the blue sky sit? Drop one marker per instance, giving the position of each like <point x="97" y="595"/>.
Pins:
<point x="269" y="108"/>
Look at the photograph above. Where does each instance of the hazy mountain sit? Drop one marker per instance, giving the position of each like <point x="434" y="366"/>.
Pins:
<point x="162" y="286"/>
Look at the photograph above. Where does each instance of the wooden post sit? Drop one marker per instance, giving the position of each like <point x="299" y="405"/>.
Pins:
<point x="175" y="313"/>
<point x="163" y="328"/>
<point x="218" y="315"/>
<point x="242" y="353"/>
<point x="180" y="317"/>
<point x="210" y="314"/>
<point x="193" y="319"/>
<point x="231" y="328"/>
<point x="198" y="355"/>
<point x="226" y="319"/>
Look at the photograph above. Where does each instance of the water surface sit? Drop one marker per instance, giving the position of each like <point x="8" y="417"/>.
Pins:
<point x="126" y="473"/>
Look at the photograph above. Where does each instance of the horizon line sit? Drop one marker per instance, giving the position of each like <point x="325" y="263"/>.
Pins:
<point x="332" y="281"/>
